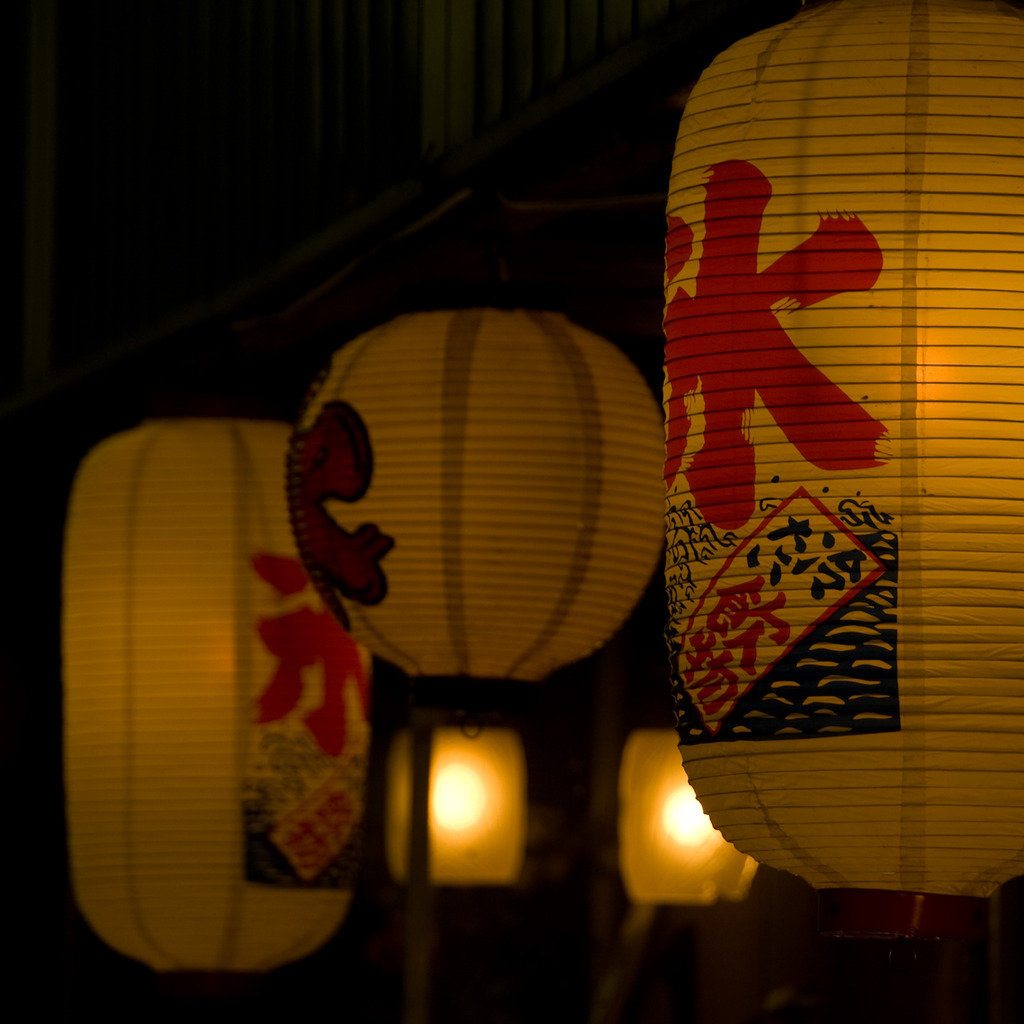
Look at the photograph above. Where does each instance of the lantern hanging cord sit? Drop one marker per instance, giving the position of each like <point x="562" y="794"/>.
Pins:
<point x="471" y="724"/>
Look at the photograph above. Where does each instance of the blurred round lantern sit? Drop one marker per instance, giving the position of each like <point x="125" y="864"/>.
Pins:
<point x="845" y="345"/>
<point x="477" y="830"/>
<point x="215" y="713"/>
<point x="477" y="490"/>
<point x="669" y="852"/>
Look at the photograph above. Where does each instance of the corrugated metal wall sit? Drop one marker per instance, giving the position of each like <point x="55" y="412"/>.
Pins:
<point x="197" y="141"/>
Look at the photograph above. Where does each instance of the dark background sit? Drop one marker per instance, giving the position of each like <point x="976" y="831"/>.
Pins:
<point x="213" y="196"/>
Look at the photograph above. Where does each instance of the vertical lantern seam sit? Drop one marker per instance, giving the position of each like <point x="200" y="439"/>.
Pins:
<point x="244" y="472"/>
<point x="148" y="442"/>
<point x="460" y="345"/>
<point x="912" y="869"/>
<point x="586" y="400"/>
<point x="812" y="864"/>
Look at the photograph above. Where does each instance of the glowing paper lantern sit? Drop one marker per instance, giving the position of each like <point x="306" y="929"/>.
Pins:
<point x="477" y="807"/>
<point x="845" y="307"/>
<point x="216" y="727"/>
<point x="669" y="852"/>
<point x="478" y="489"/>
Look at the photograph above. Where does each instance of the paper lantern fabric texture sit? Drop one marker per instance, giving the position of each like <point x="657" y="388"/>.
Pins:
<point x="216" y="730"/>
<point x="844" y="360"/>
<point x="669" y="852"/>
<point x="477" y="492"/>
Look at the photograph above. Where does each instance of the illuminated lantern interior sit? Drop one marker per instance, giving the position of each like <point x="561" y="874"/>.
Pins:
<point x="669" y="852"/>
<point x="477" y="807"/>
<point x="458" y="798"/>
<point x="683" y="820"/>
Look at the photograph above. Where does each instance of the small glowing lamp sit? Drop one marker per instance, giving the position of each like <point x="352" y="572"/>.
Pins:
<point x="460" y="798"/>
<point x="669" y="852"/>
<point x="683" y="819"/>
<point x="477" y="807"/>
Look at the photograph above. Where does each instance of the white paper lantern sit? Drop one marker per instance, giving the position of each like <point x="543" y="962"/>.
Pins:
<point x="479" y="490"/>
<point x="845" y="324"/>
<point x="216" y="727"/>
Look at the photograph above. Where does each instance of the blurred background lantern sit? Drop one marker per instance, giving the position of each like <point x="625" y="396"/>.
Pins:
<point x="477" y="807"/>
<point x="669" y="852"/>
<point x="216" y="728"/>
<point x="845" y="306"/>
<point x="479" y="490"/>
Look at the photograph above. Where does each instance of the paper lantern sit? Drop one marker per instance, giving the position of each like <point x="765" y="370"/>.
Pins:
<point x="477" y="491"/>
<point x="477" y="816"/>
<point x="215" y="713"/>
<point x="845" y="304"/>
<point x="669" y="852"/>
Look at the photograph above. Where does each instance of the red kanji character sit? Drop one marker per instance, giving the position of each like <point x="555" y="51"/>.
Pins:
<point x="717" y="683"/>
<point x="739" y="619"/>
<point x="726" y="341"/>
<point x="701" y="658"/>
<point x="305" y="846"/>
<point x="335" y="460"/>
<point x="742" y="601"/>
<point x="335" y="812"/>
<point x="299" y="639"/>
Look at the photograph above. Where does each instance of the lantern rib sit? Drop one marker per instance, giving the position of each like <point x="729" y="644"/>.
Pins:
<point x="589" y="499"/>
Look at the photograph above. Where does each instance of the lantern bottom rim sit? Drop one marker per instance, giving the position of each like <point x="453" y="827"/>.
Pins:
<point x="475" y="694"/>
<point x="209" y="984"/>
<point x="891" y="913"/>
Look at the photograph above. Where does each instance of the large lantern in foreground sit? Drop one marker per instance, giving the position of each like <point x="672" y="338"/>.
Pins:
<point x="215" y="713"/>
<point x="477" y="491"/>
<point x="844" y="361"/>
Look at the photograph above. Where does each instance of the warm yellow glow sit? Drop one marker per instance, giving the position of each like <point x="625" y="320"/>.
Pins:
<point x="874" y="739"/>
<point x="556" y="521"/>
<point x="684" y="820"/>
<point x="458" y="800"/>
<point x="669" y="852"/>
<point x="477" y="807"/>
<point x="165" y="667"/>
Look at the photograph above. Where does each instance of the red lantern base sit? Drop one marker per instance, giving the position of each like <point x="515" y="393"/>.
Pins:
<point x="887" y="913"/>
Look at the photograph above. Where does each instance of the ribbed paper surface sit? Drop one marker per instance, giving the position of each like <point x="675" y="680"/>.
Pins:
<point x="516" y="467"/>
<point x="178" y="554"/>
<point x="845" y="322"/>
